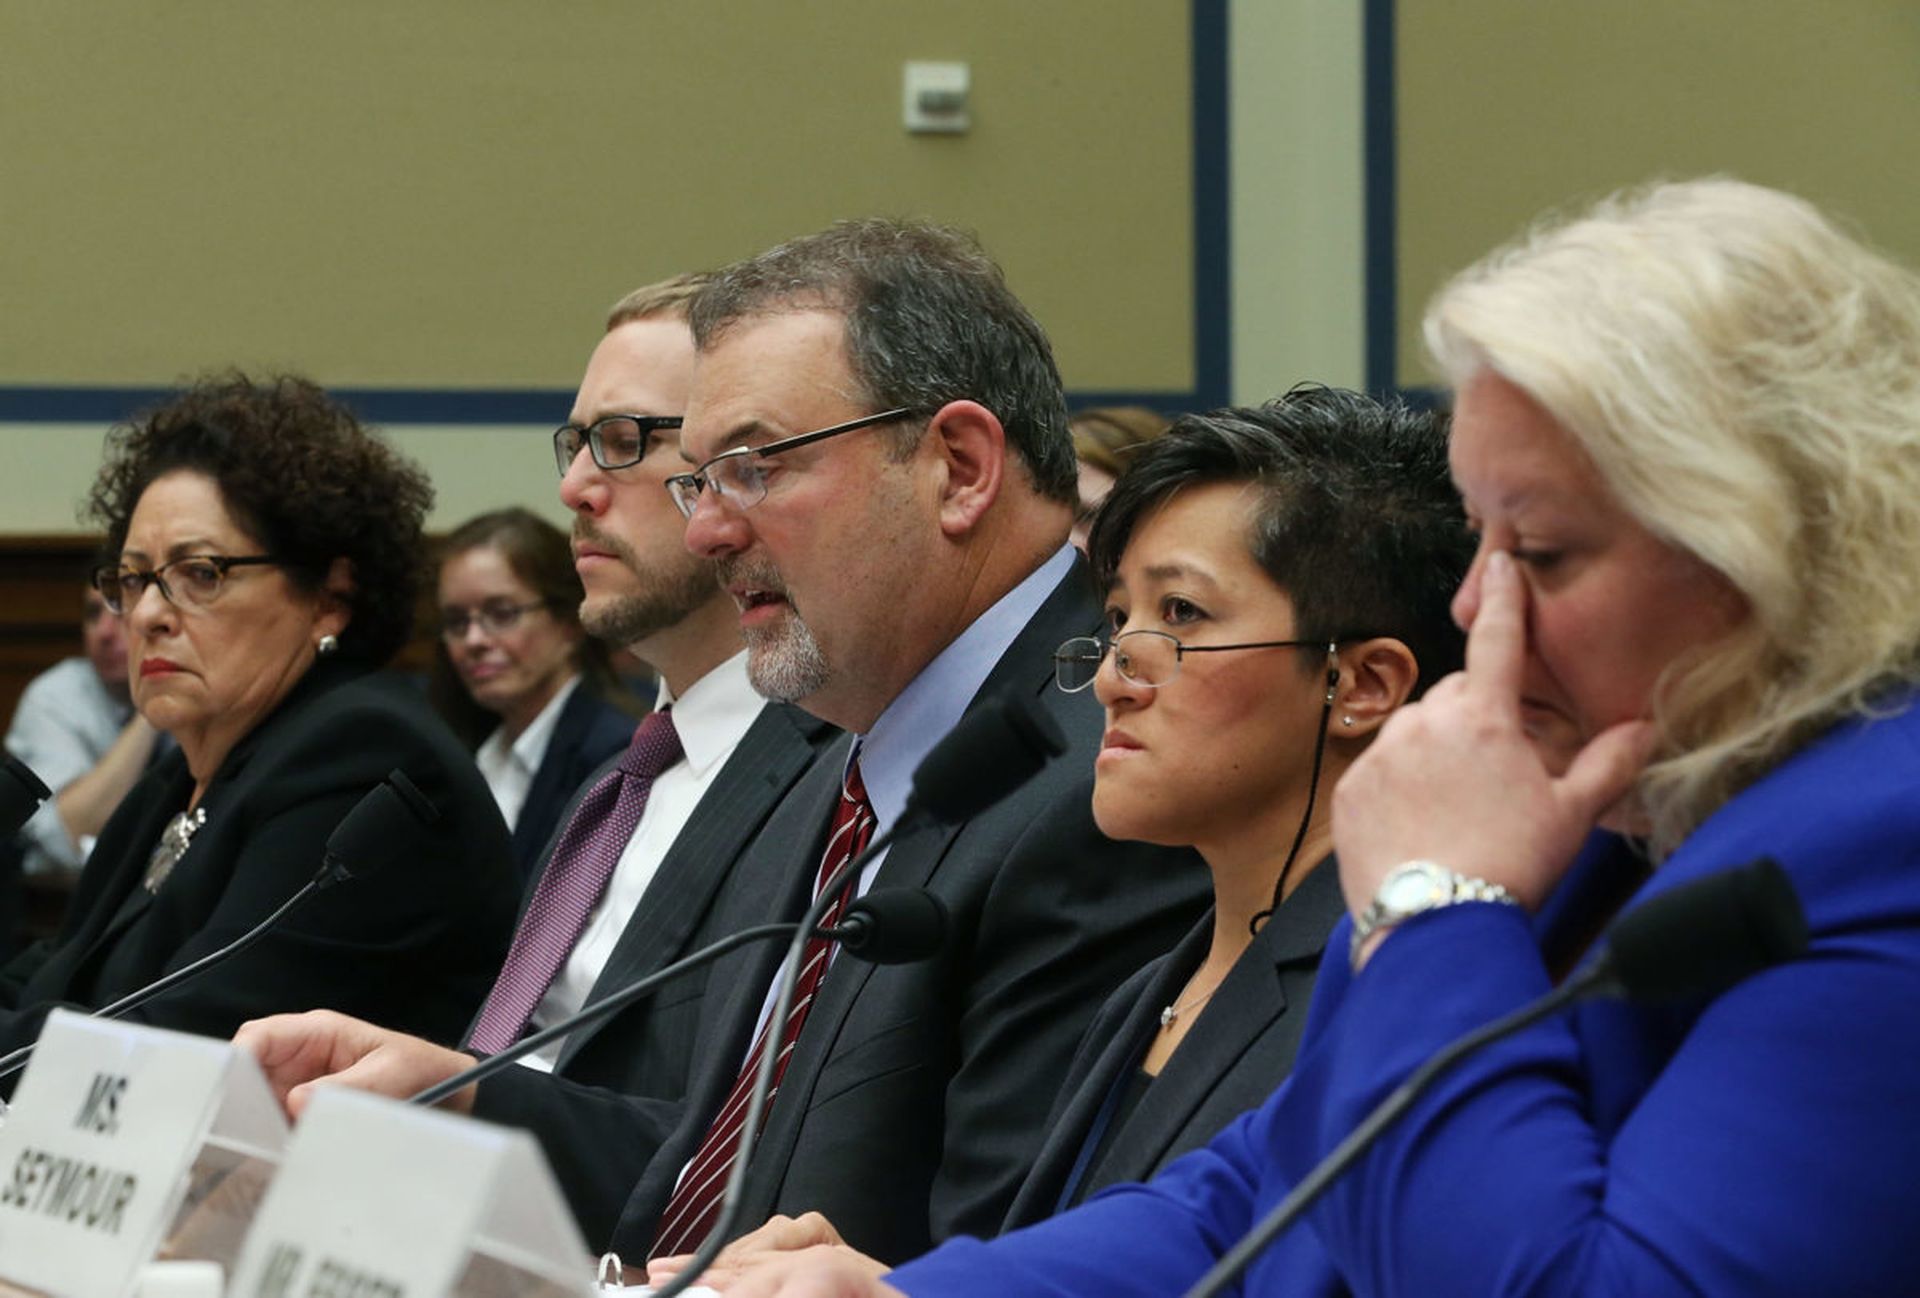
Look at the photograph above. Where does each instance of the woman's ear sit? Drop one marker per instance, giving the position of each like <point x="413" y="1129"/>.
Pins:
<point x="1376" y="677"/>
<point x="336" y="598"/>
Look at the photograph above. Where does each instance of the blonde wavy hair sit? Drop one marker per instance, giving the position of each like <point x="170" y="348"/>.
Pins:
<point x="1745" y="376"/>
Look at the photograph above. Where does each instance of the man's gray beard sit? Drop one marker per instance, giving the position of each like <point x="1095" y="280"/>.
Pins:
<point x="784" y="662"/>
<point x="671" y="596"/>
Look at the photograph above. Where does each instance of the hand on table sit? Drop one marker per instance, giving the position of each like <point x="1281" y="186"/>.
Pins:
<point x="756" y="1252"/>
<point x="299" y="1052"/>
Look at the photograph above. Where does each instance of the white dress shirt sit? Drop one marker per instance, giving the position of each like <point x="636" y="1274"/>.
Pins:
<point x="711" y="718"/>
<point x="509" y="768"/>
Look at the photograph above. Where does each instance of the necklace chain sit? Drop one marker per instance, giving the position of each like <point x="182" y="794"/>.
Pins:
<point x="1174" y="1010"/>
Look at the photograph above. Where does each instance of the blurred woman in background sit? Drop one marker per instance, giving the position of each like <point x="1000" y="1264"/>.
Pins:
<point x="1104" y="441"/>
<point x="516" y="676"/>
<point x="267" y="557"/>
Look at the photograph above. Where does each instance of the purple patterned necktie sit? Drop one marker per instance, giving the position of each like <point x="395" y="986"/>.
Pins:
<point x="576" y="876"/>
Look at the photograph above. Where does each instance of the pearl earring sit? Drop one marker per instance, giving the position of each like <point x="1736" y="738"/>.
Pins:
<point x="328" y="646"/>
<point x="1347" y="719"/>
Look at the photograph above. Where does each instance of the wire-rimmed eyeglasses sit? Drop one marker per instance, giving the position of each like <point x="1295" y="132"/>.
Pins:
<point x="494" y="617"/>
<point x="737" y="477"/>
<point x="1148" y="658"/>
<point x="616" y="442"/>
<point x="191" y="581"/>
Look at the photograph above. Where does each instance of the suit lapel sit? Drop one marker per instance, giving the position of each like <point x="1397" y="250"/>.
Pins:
<point x="751" y="782"/>
<point x="912" y="861"/>
<point x="546" y="789"/>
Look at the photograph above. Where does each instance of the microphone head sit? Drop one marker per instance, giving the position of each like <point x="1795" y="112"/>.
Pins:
<point x="999" y="745"/>
<point x="383" y="827"/>
<point x="1702" y="937"/>
<point x="21" y="793"/>
<point x="893" y="926"/>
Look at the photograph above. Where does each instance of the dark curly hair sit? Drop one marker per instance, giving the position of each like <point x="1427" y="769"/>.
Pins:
<point x="299" y="473"/>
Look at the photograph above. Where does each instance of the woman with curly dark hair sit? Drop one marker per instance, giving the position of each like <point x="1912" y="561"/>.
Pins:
<point x="267" y="554"/>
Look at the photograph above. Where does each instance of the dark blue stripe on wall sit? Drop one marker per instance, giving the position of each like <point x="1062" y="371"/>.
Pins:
<point x="1212" y="297"/>
<point x="1383" y="271"/>
<point x="1212" y="221"/>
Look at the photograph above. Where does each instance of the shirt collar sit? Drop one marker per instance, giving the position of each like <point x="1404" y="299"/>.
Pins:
<point x="531" y="747"/>
<point x="714" y="714"/>
<point x="933" y="701"/>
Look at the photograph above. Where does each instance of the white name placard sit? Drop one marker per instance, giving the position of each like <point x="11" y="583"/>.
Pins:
<point x="96" y="1150"/>
<point x="379" y="1199"/>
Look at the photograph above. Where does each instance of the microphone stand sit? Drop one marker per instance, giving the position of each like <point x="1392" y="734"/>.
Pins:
<point x="593" y="1013"/>
<point x="1383" y="1115"/>
<point x="763" y="1079"/>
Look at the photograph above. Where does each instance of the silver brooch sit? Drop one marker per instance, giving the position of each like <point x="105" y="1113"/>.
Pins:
<point x="174" y="840"/>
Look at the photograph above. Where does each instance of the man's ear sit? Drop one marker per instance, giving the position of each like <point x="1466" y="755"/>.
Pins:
<point x="1376" y="677"/>
<point x="972" y="450"/>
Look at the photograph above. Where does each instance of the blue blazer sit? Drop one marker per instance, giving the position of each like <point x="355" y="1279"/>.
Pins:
<point x="1760" y="1143"/>
<point x="590" y="730"/>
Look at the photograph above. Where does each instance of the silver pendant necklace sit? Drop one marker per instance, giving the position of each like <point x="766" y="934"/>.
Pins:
<point x="1171" y="1012"/>
<point x="174" y="841"/>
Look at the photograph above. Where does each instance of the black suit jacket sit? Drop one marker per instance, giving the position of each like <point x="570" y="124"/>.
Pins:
<point x="640" y="1056"/>
<point x="917" y="1093"/>
<point x="414" y="945"/>
<point x="588" y="733"/>
<point x="1233" y="1056"/>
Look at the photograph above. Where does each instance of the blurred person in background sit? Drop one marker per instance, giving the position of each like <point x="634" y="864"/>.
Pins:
<point x="1104" y="440"/>
<point x="76" y="727"/>
<point x="266" y="558"/>
<point x="516" y="675"/>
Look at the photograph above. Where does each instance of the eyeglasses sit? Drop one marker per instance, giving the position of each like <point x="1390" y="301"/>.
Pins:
<point x="494" y="616"/>
<point x="192" y="581"/>
<point x="736" y="475"/>
<point x="617" y="442"/>
<point x="1149" y="658"/>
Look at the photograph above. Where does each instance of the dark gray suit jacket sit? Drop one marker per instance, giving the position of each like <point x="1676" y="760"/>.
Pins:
<point x="643" y="1052"/>
<point x="918" y="1093"/>
<point x="1234" y="1054"/>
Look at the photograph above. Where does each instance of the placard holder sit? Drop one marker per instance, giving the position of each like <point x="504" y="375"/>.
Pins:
<point x="123" y="1136"/>
<point x="379" y="1197"/>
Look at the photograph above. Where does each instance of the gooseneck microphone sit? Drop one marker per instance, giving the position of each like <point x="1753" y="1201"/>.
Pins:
<point x="888" y="926"/>
<point x="21" y="793"/>
<point x="997" y="746"/>
<point x="1694" y="941"/>
<point x="382" y="827"/>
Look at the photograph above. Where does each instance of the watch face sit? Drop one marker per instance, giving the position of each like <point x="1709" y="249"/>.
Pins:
<point x="1413" y="888"/>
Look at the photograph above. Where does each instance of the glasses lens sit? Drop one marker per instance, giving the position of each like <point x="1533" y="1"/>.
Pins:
<point x="497" y="617"/>
<point x="685" y="490"/>
<point x="618" y="442"/>
<point x="739" y="479"/>
<point x="566" y="445"/>
<point x="108" y="582"/>
<point x="1146" y="657"/>
<point x="1076" y="663"/>
<point x="193" y="581"/>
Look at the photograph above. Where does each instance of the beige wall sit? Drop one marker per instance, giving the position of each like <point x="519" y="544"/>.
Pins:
<point x="1510" y="107"/>
<point x="448" y="193"/>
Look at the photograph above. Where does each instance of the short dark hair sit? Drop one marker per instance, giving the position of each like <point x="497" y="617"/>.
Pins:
<point x="929" y="320"/>
<point x="1358" y="523"/>
<point x="299" y="473"/>
<point x="539" y="554"/>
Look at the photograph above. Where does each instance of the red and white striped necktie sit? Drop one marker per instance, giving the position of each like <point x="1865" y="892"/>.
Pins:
<point x="696" y="1200"/>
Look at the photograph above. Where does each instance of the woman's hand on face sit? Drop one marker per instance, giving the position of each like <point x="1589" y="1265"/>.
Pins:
<point x="1454" y="778"/>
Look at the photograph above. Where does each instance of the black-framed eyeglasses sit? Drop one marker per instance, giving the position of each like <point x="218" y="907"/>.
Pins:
<point x="617" y="441"/>
<point x="494" y="617"/>
<point x="1147" y="658"/>
<point x="191" y="581"/>
<point x="736" y="476"/>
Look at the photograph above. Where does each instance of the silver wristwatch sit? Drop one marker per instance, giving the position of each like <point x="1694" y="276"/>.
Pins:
<point x="1414" y="888"/>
